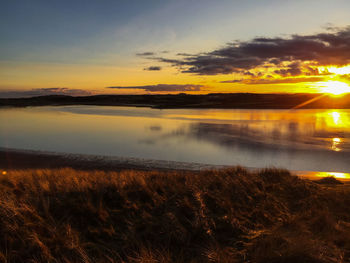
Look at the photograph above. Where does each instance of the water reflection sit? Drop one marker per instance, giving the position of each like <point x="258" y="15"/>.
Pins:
<point x="336" y="117"/>
<point x="336" y="175"/>
<point x="313" y="175"/>
<point x="325" y="128"/>
<point x="333" y="119"/>
<point x="336" y="144"/>
<point x="276" y="135"/>
<point x="293" y="139"/>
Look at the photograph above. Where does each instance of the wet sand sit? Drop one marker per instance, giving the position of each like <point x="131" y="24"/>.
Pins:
<point x="28" y="159"/>
<point x="19" y="159"/>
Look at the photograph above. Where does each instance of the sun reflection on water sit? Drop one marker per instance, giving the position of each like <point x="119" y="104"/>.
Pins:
<point x="333" y="120"/>
<point x="336" y="117"/>
<point x="333" y="174"/>
<point x="336" y="142"/>
<point x="314" y="175"/>
<point x="334" y="125"/>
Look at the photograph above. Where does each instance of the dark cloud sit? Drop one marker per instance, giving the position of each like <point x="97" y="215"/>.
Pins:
<point x="275" y="81"/>
<point x="184" y="54"/>
<point x="145" y="54"/>
<point x="153" y="68"/>
<point x="293" y="69"/>
<point x="163" y="87"/>
<point x="314" y="71"/>
<point x="248" y="73"/>
<point x="232" y="81"/>
<point x="330" y="48"/>
<point x="44" y="92"/>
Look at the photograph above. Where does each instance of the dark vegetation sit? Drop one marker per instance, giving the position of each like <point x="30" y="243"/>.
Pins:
<point x="233" y="101"/>
<point x="329" y="181"/>
<point x="65" y="215"/>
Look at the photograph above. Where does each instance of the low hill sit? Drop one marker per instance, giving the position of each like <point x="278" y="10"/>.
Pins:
<point x="223" y="101"/>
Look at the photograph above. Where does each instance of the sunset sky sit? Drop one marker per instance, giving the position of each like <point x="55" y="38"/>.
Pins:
<point x="86" y="47"/>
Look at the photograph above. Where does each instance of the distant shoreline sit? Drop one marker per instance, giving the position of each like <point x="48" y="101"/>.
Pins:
<point x="181" y="101"/>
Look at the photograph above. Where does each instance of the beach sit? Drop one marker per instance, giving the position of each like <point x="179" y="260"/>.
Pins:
<point x="29" y="159"/>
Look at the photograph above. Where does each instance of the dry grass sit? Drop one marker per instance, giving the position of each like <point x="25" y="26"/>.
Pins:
<point x="214" y="216"/>
<point x="330" y="180"/>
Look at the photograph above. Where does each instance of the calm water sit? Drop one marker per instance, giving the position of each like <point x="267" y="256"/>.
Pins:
<point x="311" y="140"/>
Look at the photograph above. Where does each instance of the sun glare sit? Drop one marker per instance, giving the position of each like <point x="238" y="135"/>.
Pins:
<point x="339" y="70"/>
<point x="335" y="70"/>
<point x="335" y="87"/>
<point x="336" y="175"/>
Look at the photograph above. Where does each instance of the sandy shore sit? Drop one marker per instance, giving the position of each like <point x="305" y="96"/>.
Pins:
<point x="17" y="159"/>
<point x="29" y="159"/>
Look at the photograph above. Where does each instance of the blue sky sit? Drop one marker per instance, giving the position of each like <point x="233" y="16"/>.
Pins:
<point x="110" y="33"/>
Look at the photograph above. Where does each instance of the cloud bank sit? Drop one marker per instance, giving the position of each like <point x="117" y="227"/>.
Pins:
<point x="163" y="87"/>
<point x="290" y="56"/>
<point x="275" y="81"/>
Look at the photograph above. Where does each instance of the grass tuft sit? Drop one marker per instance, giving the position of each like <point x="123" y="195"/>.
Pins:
<point x="330" y="180"/>
<point x="230" y="215"/>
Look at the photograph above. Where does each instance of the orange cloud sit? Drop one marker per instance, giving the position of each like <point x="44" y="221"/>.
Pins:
<point x="276" y="81"/>
<point x="331" y="48"/>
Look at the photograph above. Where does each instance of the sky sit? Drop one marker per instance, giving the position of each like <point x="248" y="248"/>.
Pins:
<point x="85" y="47"/>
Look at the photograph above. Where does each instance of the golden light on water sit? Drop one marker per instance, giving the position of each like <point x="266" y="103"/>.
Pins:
<point x="335" y="120"/>
<point x="333" y="174"/>
<point x="336" y="117"/>
<point x="315" y="175"/>
<point x="336" y="142"/>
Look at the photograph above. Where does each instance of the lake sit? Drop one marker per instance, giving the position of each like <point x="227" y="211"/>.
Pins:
<point x="309" y="140"/>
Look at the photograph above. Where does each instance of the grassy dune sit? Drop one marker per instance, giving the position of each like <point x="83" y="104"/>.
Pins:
<point x="213" y="216"/>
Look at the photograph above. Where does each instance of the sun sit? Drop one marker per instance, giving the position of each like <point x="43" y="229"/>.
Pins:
<point x="335" y="88"/>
